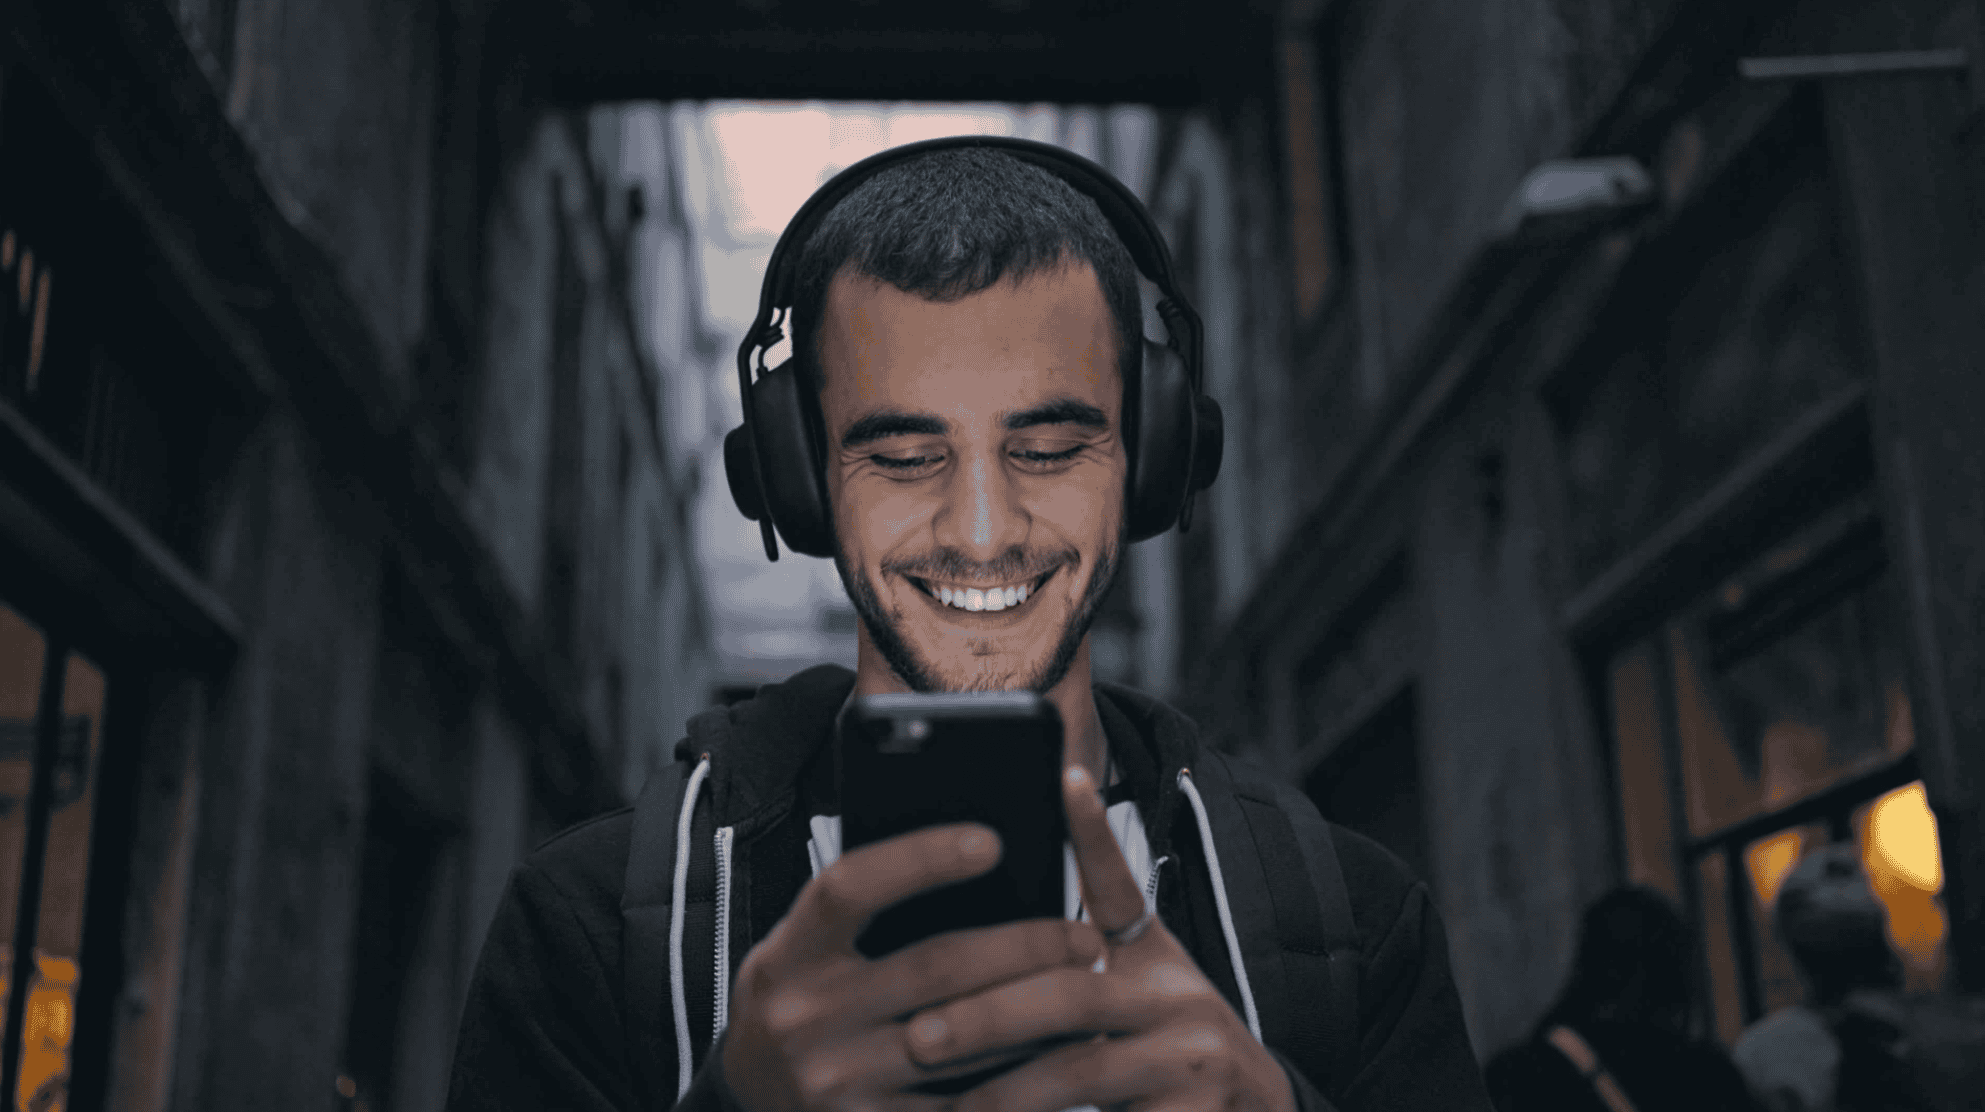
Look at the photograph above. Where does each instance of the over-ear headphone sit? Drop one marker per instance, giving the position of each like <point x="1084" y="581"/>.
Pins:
<point x="1173" y="430"/>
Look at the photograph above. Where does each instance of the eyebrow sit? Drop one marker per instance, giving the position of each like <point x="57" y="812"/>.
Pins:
<point x="885" y="423"/>
<point x="1061" y="411"/>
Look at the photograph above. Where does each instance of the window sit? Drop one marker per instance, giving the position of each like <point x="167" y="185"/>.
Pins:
<point x="1371" y="783"/>
<point x="1770" y="716"/>
<point x="1722" y="335"/>
<point x="112" y="382"/>
<point x="92" y="353"/>
<point x="51" y="714"/>
<point x="1357" y="717"/>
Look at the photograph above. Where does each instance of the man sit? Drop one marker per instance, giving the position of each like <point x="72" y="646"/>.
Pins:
<point x="968" y="325"/>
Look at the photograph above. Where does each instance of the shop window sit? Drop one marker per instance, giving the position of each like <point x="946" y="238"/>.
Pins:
<point x="1767" y="718"/>
<point x="51" y="715"/>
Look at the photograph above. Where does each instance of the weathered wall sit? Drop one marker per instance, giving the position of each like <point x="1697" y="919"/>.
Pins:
<point x="282" y="798"/>
<point x="1217" y="201"/>
<point x="1514" y="784"/>
<point x="338" y="102"/>
<point x="561" y="230"/>
<point x="1445" y="106"/>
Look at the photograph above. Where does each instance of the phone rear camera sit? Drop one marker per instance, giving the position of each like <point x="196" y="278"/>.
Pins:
<point x="906" y="735"/>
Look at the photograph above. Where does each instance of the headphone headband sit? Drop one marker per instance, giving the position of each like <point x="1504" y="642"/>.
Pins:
<point x="1176" y="444"/>
<point x="1120" y="207"/>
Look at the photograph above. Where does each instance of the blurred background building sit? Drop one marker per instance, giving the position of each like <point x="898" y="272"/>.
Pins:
<point x="1603" y="497"/>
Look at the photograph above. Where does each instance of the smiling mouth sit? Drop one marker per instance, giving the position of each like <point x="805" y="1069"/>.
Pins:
<point x="980" y="599"/>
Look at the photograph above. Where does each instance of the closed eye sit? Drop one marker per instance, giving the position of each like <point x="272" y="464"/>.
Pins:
<point x="1048" y="457"/>
<point x="908" y="463"/>
<point x="1045" y="463"/>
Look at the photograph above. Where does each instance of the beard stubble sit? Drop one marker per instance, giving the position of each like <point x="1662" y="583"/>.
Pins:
<point x="884" y="625"/>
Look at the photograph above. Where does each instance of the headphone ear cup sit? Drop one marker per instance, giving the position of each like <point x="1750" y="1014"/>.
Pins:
<point x="1161" y="460"/>
<point x="741" y="471"/>
<point x="788" y="463"/>
<point x="1209" y="442"/>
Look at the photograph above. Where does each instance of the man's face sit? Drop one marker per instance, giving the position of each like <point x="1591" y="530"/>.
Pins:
<point x="976" y="471"/>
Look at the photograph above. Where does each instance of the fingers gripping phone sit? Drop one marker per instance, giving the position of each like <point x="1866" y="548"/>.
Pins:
<point x="912" y="761"/>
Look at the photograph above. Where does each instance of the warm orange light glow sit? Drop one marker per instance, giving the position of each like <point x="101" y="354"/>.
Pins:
<point x="1770" y="859"/>
<point x="44" y="1083"/>
<point x="1902" y="839"/>
<point x="347" y="1088"/>
<point x="1899" y="850"/>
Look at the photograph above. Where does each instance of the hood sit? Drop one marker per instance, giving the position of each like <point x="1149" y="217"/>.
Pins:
<point x="758" y="747"/>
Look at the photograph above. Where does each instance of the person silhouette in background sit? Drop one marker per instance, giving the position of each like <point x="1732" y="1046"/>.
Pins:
<point x="1830" y="920"/>
<point x="1619" y="1037"/>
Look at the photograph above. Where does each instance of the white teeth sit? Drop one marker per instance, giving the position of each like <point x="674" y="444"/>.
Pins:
<point x="977" y="598"/>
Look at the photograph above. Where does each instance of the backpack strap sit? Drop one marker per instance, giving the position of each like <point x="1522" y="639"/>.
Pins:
<point x="1570" y="1044"/>
<point x="1341" y="1022"/>
<point x="1308" y="997"/>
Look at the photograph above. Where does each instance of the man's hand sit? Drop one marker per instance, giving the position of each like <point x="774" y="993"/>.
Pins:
<point x="1170" y="1042"/>
<point x="817" y="1026"/>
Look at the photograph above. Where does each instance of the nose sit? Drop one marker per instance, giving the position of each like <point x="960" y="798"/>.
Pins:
<point x="983" y="517"/>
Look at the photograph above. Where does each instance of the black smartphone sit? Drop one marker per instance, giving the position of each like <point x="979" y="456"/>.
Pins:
<point x="912" y="761"/>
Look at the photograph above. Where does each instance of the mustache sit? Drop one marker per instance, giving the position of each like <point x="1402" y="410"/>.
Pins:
<point x="949" y="563"/>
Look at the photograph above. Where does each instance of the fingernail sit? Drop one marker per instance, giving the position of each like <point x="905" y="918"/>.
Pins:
<point x="1077" y="777"/>
<point x="972" y="842"/>
<point x="928" y="1030"/>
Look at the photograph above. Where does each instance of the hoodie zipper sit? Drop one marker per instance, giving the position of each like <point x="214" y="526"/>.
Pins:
<point x="1151" y="884"/>
<point x="721" y="1010"/>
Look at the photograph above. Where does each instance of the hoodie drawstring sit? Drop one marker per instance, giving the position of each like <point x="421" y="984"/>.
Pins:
<point x="1220" y="902"/>
<point x="677" y="998"/>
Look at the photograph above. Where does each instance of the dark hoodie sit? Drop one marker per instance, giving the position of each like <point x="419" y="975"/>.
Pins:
<point x="547" y="1025"/>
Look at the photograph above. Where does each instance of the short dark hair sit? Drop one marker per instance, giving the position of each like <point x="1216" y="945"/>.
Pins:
<point x="1635" y="953"/>
<point x="951" y="223"/>
<point x="1835" y="926"/>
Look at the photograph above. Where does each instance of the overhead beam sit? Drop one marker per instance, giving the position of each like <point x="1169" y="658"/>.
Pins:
<point x="1115" y="62"/>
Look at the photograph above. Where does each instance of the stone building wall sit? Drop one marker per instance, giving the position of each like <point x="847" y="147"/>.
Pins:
<point x="1394" y="597"/>
<point x="438" y="541"/>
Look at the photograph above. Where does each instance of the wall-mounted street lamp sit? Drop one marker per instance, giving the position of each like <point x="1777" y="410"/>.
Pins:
<point x="1568" y="194"/>
<point x="1806" y="67"/>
